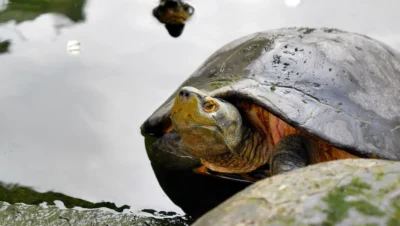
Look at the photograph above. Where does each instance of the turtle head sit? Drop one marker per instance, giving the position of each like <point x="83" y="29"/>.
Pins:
<point x="207" y="125"/>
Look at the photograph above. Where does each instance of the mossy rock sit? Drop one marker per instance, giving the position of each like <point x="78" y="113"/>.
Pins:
<point x="346" y="192"/>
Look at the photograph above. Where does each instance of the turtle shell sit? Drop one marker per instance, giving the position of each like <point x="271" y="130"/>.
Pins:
<point x="339" y="86"/>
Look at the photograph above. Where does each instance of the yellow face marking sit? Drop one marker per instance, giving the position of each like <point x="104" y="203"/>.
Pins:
<point x="189" y="109"/>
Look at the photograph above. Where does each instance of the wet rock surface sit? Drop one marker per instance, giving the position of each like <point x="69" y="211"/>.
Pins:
<point x="22" y="214"/>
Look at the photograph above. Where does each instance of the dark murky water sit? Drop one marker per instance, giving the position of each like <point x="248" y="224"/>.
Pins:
<point x="70" y="123"/>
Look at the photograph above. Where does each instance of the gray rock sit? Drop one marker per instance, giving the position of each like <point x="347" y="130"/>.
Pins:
<point x="346" y="192"/>
<point x="22" y="214"/>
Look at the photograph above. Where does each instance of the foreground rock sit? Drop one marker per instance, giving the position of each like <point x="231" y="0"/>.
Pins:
<point x="347" y="192"/>
<point x="23" y="205"/>
<point x="22" y="214"/>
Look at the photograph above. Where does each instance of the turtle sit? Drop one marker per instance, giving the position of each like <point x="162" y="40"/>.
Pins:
<point x="174" y="14"/>
<point x="283" y="99"/>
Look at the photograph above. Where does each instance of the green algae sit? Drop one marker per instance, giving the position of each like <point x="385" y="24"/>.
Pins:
<point x="379" y="174"/>
<point x="394" y="218"/>
<point x="338" y="207"/>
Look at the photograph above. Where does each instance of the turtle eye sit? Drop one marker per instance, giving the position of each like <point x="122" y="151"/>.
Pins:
<point x="210" y="106"/>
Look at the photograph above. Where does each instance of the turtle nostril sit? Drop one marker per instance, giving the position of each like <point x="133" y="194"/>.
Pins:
<point x="184" y="93"/>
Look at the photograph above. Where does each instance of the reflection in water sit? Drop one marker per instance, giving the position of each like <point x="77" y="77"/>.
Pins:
<point x="67" y="12"/>
<point x="3" y="4"/>
<point x="23" y="10"/>
<point x="174" y="14"/>
<point x="4" y="46"/>
<point x="13" y="193"/>
<point x="292" y="3"/>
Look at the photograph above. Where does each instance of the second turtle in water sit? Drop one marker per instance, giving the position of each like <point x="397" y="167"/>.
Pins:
<point x="285" y="98"/>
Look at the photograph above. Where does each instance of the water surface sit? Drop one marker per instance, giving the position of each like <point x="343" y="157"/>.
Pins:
<point x="70" y="123"/>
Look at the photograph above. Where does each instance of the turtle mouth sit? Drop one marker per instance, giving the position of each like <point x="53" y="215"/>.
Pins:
<point x="219" y="132"/>
<point x="179" y="113"/>
<point x="248" y="178"/>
